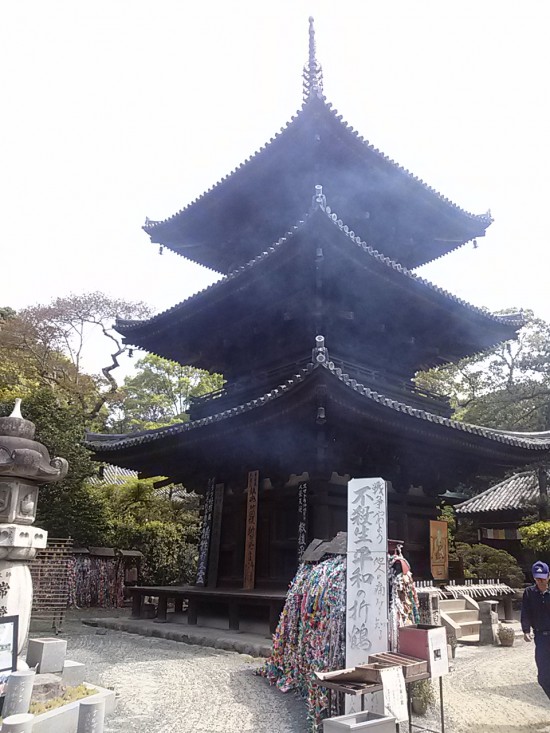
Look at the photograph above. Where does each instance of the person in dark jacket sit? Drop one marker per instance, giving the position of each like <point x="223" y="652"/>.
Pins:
<point x="535" y="614"/>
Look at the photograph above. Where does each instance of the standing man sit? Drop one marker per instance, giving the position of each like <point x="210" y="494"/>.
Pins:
<point x="535" y="614"/>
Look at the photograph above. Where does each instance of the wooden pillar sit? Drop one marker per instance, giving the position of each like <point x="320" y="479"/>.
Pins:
<point x="249" y="576"/>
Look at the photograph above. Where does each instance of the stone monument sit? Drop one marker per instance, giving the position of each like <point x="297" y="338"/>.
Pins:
<point x="24" y="465"/>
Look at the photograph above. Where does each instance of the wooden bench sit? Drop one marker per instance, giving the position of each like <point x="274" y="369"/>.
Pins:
<point x="232" y="598"/>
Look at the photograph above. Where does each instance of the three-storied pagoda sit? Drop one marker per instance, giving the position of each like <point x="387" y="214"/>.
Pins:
<point x="318" y="326"/>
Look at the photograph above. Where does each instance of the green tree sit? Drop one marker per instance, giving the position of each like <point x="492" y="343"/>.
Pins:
<point x="159" y="394"/>
<point x="536" y="537"/>
<point x="507" y="387"/>
<point x="163" y="524"/>
<point x="46" y="345"/>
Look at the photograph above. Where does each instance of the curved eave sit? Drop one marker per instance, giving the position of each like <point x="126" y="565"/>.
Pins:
<point x="137" y="333"/>
<point x="193" y="217"/>
<point x="510" y="446"/>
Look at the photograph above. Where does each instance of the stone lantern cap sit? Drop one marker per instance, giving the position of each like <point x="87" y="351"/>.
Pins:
<point x="24" y="458"/>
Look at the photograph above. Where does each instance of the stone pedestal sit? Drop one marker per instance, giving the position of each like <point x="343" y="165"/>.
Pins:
<point x="21" y="723"/>
<point x="47" y="654"/>
<point x="18" y="693"/>
<point x="489" y="622"/>
<point x="73" y="673"/>
<point x="91" y="716"/>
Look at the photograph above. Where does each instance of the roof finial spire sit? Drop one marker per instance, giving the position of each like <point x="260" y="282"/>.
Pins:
<point x="313" y="72"/>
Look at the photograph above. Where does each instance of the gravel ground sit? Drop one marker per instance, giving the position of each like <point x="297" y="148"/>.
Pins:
<point x="168" y="687"/>
<point x="494" y="690"/>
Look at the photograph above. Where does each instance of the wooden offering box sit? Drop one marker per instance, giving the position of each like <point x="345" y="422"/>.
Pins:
<point x="428" y="643"/>
<point x="372" y="670"/>
<point x="412" y="667"/>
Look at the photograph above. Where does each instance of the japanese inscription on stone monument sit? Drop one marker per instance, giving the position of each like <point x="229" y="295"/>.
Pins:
<point x="366" y="589"/>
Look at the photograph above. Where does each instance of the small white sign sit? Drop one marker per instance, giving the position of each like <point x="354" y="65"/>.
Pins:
<point x="395" y="693"/>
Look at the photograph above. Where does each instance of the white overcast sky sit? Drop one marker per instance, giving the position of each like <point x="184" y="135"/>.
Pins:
<point x="121" y="109"/>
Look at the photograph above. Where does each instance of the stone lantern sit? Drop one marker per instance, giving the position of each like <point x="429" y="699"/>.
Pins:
<point x="24" y="466"/>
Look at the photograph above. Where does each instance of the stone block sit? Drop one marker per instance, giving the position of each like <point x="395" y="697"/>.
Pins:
<point x="47" y="654"/>
<point x="17" y="535"/>
<point x="488" y="632"/>
<point x="73" y="673"/>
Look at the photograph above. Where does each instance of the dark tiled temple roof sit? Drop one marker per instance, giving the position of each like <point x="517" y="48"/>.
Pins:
<point x="316" y="135"/>
<point x="527" y="441"/>
<point x="126" y="327"/>
<point x="486" y="218"/>
<point x="515" y="492"/>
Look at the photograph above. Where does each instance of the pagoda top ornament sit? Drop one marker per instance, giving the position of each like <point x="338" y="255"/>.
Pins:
<point x="313" y="71"/>
<point x="24" y="458"/>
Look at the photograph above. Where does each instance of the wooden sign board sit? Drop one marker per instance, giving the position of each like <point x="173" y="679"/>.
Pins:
<point x="302" y="520"/>
<point x="249" y="576"/>
<point x="439" y="549"/>
<point x="204" y="544"/>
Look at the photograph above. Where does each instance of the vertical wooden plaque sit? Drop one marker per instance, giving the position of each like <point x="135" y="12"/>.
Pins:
<point x="302" y="520"/>
<point x="215" y="537"/>
<point x="249" y="575"/>
<point x="204" y="543"/>
<point x="439" y="549"/>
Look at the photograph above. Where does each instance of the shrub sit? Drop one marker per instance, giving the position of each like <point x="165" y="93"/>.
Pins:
<point x="482" y="561"/>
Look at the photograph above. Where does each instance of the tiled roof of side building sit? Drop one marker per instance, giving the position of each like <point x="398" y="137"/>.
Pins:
<point x="127" y="326"/>
<point x="110" y="474"/>
<point x="516" y="492"/>
<point x="530" y="441"/>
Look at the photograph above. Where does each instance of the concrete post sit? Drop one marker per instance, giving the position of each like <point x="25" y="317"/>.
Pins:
<point x="91" y="714"/>
<point x="488" y="632"/>
<point x="508" y="603"/>
<point x="21" y="723"/>
<point x="18" y="693"/>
